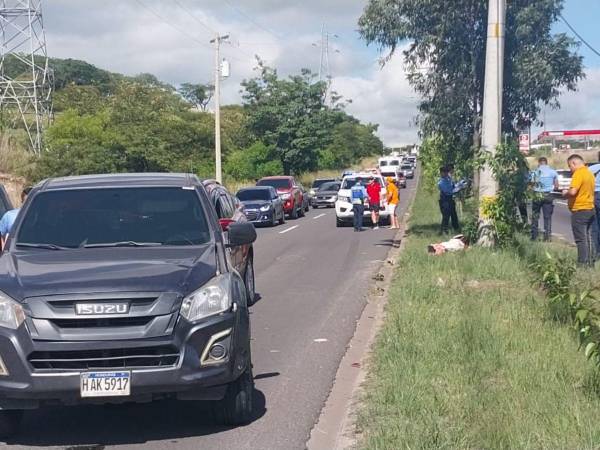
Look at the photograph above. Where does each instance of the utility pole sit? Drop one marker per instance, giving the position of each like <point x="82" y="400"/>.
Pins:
<point x="492" y="101"/>
<point x="217" y="41"/>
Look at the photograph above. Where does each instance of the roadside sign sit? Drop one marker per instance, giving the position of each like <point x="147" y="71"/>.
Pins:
<point x="524" y="144"/>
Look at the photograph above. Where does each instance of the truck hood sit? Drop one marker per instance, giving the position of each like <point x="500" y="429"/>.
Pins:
<point x="34" y="273"/>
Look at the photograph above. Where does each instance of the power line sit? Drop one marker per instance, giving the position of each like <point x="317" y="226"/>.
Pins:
<point x="251" y="20"/>
<point x="193" y="16"/>
<point x="171" y="24"/>
<point x="181" y="30"/>
<point x="587" y="44"/>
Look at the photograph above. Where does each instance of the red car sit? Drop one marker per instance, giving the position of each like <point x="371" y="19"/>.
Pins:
<point x="289" y="192"/>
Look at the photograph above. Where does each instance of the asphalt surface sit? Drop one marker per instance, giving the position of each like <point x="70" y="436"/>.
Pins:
<point x="312" y="279"/>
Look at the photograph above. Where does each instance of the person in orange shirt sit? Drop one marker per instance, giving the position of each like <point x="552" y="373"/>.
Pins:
<point x="581" y="204"/>
<point x="393" y="198"/>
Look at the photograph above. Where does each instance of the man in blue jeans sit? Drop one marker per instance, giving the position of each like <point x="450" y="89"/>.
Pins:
<point x="358" y="195"/>
<point x="545" y="181"/>
<point x="596" y="229"/>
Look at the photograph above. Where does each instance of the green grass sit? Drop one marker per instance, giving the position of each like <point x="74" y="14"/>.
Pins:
<point x="469" y="357"/>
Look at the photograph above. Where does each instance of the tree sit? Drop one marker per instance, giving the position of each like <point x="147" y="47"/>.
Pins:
<point x="140" y="128"/>
<point x="199" y="95"/>
<point x="289" y="115"/>
<point x="445" y="57"/>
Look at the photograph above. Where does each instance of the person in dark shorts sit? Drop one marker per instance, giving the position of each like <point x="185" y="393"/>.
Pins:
<point x="374" y="193"/>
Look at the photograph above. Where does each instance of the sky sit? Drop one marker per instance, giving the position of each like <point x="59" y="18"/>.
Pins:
<point x="170" y="39"/>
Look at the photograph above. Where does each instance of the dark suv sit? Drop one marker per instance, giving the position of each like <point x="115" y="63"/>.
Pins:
<point x="118" y="288"/>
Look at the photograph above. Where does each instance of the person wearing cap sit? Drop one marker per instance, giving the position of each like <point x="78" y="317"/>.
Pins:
<point x="545" y="181"/>
<point x="358" y="195"/>
<point x="393" y="198"/>
<point x="9" y="218"/>
<point x="447" y="204"/>
<point x="374" y="191"/>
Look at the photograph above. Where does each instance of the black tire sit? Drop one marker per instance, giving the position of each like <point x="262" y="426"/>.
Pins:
<point x="307" y="209"/>
<point x="294" y="213"/>
<point x="10" y="422"/>
<point x="315" y="207"/>
<point x="282" y="220"/>
<point x="301" y="212"/>
<point x="339" y="223"/>
<point x="273" y="221"/>
<point x="237" y="407"/>
<point x="250" y="281"/>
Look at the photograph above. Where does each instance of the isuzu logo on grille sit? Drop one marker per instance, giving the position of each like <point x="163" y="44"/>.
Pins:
<point x="97" y="309"/>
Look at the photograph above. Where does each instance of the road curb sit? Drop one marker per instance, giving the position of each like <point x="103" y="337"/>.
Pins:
<point x="335" y="428"/>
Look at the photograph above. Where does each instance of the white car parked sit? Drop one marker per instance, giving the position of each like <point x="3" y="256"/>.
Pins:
<point x="564" y="179"/>
<point x="343" y="206"/>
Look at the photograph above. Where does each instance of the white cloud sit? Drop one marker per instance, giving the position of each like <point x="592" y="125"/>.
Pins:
<point x="580" y="109"/>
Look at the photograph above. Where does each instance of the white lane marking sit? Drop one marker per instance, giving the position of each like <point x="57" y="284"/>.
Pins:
<point x="320" y="340"/>
<point x="319" y="216"/>
<point x="289" y="229"/>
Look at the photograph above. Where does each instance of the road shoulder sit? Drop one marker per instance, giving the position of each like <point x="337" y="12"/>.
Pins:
<point x="335" y="428"/>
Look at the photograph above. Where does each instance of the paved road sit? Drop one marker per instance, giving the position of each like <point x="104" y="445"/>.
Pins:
<point x="313" y="279"/>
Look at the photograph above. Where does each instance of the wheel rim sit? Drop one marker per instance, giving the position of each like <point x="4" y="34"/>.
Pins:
<point x="250" y="281"/>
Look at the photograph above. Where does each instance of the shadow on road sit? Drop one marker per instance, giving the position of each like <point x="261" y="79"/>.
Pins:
<point x="98" y="426"/>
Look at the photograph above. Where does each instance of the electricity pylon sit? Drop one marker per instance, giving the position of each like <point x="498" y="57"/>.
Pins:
<point x="26" y="81"/>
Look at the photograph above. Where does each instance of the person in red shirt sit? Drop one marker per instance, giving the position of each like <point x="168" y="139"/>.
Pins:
<point x="374" y="193"/>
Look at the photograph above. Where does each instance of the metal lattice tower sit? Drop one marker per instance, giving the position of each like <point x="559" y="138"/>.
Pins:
<point x="25" y="78"/>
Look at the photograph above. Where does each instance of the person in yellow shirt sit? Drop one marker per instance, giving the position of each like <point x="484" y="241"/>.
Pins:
<point x="581" y="204"/>
<point x="393" y="198"/>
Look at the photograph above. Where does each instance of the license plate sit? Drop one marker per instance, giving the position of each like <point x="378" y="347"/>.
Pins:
<point x="105" y="384"/>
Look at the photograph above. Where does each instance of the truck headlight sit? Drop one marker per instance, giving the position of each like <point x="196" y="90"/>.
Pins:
<point x="211" y="299"/>
<point x="11" y="312"/>
<point x="265" y="208"/>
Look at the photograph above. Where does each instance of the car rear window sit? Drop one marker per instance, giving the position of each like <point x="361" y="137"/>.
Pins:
<point x="76" y="218"/>
<point x="254" y="194"/>
<point x="318" y="183"/>
<point x="277" y="183"/>
<point x="330" y="187"/>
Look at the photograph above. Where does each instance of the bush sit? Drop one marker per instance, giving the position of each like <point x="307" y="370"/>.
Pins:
<point x="255" y="162"/>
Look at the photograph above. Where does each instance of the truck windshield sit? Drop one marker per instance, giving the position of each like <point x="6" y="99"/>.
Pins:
<point x="114" y="217"/>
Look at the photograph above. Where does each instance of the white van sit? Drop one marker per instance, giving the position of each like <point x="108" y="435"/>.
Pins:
<point x="389" y="162"/>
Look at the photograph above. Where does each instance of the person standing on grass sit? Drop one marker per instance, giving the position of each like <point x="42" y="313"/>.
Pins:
<point x="596" y="231"/>
<point x="374" y="191"/>
<point x="545" y="181"/>
<point x="393" y="198"/>
<point x="447" y="203"/>
<point x="359" y="195"/>
<point x="581" y="204"/>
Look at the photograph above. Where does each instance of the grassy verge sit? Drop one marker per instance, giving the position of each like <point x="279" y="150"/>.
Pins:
<point x="469" y="357"/>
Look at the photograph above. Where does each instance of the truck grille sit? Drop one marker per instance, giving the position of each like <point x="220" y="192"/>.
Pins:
<point x="103" y="323"/>
<point x="117" y="358"/>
